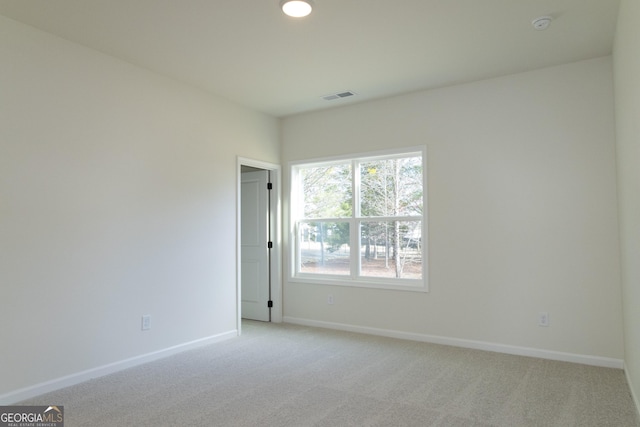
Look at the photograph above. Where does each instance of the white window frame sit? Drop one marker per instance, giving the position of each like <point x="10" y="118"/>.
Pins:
<point x="295" y="215"/>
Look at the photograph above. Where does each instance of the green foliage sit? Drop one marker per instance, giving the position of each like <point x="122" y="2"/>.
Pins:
<point x="387" y="189"/>
<point x="337" y="235"/>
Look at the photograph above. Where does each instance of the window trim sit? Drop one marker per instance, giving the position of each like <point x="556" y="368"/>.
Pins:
<point x="353" y="279"/>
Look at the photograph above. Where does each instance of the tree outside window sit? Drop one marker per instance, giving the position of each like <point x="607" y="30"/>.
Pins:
<point x="361" y="220"/>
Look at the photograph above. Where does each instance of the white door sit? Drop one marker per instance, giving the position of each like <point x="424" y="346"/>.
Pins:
<point x="255" y="253"/>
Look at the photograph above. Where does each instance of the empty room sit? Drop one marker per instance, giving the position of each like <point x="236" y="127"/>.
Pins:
<point x="420" y="212"/>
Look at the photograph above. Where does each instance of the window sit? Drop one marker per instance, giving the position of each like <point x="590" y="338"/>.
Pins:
<point x="360" y="221"/>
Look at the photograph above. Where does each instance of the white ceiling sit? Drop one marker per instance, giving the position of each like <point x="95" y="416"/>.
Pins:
<point x="248" y="51"/>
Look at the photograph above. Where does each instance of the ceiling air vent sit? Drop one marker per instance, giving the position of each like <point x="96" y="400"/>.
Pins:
<point x="338" y="95"/>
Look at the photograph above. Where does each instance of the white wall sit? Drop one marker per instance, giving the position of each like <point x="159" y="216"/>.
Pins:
<point x="117" y="199"/>
<point x="522" y="211"/>
<point x="627" y="106"/>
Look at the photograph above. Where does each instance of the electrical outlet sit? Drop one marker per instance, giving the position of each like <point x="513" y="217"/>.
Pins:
<point x="543" y="318"/>
<point x="330" y="299"/>
<point x="146" y="322"/>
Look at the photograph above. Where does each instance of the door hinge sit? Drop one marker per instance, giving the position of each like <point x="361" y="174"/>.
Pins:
<point x="269" y="186"/>
<point x="270" y="245"/>
<point x="270" y="304"/>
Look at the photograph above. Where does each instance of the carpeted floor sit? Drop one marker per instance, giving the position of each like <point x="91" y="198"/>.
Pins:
<point x="286" y="375"/>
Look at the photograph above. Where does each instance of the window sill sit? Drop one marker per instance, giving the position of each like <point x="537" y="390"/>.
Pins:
<point x="411" y="285"/>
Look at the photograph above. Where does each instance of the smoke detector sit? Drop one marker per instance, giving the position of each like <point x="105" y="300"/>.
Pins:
<point x="541" y="23"/>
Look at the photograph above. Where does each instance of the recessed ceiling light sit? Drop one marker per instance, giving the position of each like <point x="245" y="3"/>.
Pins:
<point x="541" y="23"/>
<point x="296" y="8"/>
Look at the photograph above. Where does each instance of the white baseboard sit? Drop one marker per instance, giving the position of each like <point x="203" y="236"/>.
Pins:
<point x="69" y="380"/>
<point x="456" y="342"/>
<point x="634" y="396"/>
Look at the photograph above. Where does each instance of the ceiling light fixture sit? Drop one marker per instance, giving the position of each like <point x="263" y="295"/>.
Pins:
<point x="296" y="8"/>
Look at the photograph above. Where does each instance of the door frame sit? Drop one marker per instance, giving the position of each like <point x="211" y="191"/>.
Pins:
<point x="276" y="233"/>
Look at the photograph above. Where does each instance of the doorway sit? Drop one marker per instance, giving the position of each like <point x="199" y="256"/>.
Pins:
<point x="259" y="289"/>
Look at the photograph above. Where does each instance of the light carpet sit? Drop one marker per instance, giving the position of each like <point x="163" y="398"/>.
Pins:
<point x="289" y="375"/>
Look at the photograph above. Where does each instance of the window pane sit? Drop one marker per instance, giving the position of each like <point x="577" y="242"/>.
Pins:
<point x="324" y="248"/>
<point x="327" y="191"/>
<point x="391" y="187"/>
<point x="391" y="249"/>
